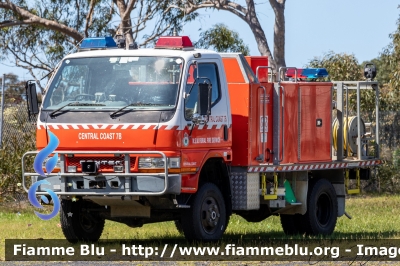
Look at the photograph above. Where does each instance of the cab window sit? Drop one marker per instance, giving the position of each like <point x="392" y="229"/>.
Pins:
<point x="206" y="73"/>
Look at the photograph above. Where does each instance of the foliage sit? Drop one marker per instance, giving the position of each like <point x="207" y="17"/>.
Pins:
<point x="246" y="11"/>
<point x="341" y="67"/>
<point x="36" y="35"/>
<point x="167" y="20"/>
<point x="388" y="72"/>
<point x="18" y="138"/>
<point x="39" y="47"/>
<point x="396" y="159"/>
<point x="389" y="96"/>
<point x="222" y="39"/>
<point x="388" y="177"/>
<point x="391" y="57"/>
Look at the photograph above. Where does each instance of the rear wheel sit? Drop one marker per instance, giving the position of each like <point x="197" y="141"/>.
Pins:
<point x="206" y="219"/>
<point x="322" y="208"/>
<point x="78" y="224"/>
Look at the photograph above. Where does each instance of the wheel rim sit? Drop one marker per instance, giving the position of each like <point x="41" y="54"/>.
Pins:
<point x="86" y="223"/>
<point x="324" y="209"/>
<point x="209" y="215"/>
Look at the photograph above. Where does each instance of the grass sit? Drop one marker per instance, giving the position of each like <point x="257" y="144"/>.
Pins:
<point x="374" y="217"/>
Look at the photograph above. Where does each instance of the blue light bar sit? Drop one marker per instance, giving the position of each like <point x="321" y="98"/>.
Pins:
<point x="98" y="43"/>
<point x="313" y="73"/>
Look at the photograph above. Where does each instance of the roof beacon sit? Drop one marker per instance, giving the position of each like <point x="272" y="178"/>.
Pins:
<point x="94" y="43"/>
<point x="313" y="73"/>
<point x="174" y="42"/>
<point x="291" y="73"/>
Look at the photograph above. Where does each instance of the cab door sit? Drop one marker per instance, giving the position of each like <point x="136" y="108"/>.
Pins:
<point x="213" y="130"/>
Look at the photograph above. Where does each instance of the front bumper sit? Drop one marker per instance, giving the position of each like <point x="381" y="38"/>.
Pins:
<point x="111" y="184"/>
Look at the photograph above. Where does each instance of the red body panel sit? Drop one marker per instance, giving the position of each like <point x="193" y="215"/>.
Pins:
<point x="261" y="124"/>
<point x="259" y="61"/>
<point x="110" y="139"/>
<point x="315" y="140"/>
<point x="233" y="71"/>
<point x="291" y="127"/>
<point x="307" y="122"/>
<point x="239" y="98"/>
<point x="247" y="100"/>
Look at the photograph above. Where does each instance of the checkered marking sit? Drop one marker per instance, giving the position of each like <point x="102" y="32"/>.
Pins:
<point x="305" y="167"/>
<point x="125" y="126"/>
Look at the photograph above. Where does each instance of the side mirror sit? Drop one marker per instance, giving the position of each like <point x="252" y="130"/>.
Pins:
<point x="204" y="99"/>
<point x="31" y="97"/>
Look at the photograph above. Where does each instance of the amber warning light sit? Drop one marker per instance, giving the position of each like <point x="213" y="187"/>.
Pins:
<point x="174" y="42"/>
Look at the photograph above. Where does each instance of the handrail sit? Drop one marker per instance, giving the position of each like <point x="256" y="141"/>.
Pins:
<point x="283" y="68"/>
<point x="283" y="125"/>
<point x="344" y="87"/>
<point x="261" y="157"/>
<point x="267" y="67"/>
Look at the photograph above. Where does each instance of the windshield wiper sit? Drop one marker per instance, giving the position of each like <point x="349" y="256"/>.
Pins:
<point x="75" y="104"/>
<point x="133" y="104"/>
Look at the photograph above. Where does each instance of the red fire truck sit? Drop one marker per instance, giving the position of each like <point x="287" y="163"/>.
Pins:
<point x="180" y="134"/>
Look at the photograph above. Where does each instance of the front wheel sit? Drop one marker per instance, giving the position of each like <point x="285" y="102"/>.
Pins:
<point x="322" y="208"/>
<point x="206" y="219"/>
<point x="78" y="224"/>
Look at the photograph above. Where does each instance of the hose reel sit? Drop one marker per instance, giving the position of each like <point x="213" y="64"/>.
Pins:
<point x="350" y="134"/>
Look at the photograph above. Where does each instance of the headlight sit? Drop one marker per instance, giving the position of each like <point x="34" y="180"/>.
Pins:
<point x="150" y="162"/>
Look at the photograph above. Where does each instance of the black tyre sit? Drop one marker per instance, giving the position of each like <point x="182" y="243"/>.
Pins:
<point x="322" y="208"/>
<point x="292" y="224"/>
<point x="206" y="220"/>
<point x="78" y="224"/>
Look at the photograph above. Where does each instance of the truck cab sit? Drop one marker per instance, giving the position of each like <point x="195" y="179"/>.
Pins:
<point x="134" y="129"/>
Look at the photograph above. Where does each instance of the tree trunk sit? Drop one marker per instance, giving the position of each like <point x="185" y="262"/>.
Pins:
<point x="279" y="32"/>
<point x="249" y="15"/>
<point x="125" y="26"/>
<point x="255" y="26"/>
<point x="29" y="18"/>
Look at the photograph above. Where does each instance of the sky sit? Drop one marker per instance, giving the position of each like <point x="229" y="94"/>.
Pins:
<point x="313" y="27"/>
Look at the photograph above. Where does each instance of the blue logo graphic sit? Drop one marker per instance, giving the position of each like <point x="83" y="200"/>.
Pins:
<point x="36" y="203"/>
<point x="50" y="165"/>
<point x="42" y="155"/>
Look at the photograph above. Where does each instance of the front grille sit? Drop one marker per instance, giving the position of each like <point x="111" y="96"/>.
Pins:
<point x="105" y="168"/>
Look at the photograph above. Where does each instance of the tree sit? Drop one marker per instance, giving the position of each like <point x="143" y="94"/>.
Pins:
<point x="248" y="14"/>
<point x="388" y="72"/>
<point x="38" y="34"/>
<point x="222" y="39"/>
<point x="389" y="96"/>
<point x="341" y="67"/>
<point x="390" y="57"/>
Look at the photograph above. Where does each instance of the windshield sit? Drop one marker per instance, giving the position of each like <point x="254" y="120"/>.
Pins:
<point x="114" y="82"/>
